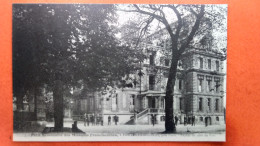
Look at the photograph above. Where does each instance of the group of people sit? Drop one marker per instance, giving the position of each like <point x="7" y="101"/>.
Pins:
<point x="93" y="119"/>
<point x="115" y="119"/>
<point x="189" y="120"/>
<point x="98" y="119"/>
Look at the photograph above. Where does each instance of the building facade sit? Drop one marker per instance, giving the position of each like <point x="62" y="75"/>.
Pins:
<point x="198" y="91"/>
<point x="199" y="86"/>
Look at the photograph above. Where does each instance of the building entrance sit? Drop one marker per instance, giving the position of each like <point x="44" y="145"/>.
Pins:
<point x="151" y="102"/>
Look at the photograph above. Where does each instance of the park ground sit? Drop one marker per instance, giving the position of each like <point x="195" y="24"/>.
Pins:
<point x="137" y="132"/>
<point x="144" y="129"/>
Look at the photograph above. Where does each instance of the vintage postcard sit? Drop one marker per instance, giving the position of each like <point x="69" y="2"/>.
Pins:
<point x="119" y="72"/>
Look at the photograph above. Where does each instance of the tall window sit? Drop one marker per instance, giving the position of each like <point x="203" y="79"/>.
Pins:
<point x="114" y="103"/>
<point x="217" y="83"/>
<point x="200" y="104"/>
<point x="201" y="63"/>
<point x="209" y="63"/>
<point x="217" y="86"/>
<point x="152" y="58"/>
<point x="151" y="82"/>
<point x="200" y="86"/>
<point x="217" y="65"/>
<point x="209" y="104"/>
<point x="180" y="84"/>
<point x="167" y="62"/>
<point x="209" y="85"/>
<point x="162" y="103"/>
<point x="200" y="82"/>
<point x="132" y="102"/>
<point x="216" y="104"/>
<point x="209" y="79"/>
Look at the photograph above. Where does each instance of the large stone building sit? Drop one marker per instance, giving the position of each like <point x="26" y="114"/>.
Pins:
<point x="199" y="87"/>
<point x="198" y="91"/>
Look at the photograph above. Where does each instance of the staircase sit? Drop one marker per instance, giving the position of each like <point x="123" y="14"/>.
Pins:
<point x="138" y="117"/>
<point x="142" y="114"/>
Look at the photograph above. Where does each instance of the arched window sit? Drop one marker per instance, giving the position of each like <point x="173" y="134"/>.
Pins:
<point x="217" y="118"/>
<point x="201" y="118"/>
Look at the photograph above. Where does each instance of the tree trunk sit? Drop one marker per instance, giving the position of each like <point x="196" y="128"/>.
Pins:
<point x="35" y="103"/>
<point x="169" y="122"/>
<point x="19" y="100"/>
<point x="58" y="106"/>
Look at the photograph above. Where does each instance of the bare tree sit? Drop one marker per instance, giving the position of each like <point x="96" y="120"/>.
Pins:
<point x="188" y="22"/>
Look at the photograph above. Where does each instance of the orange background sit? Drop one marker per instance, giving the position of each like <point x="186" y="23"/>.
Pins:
<point x="243" y="72"/>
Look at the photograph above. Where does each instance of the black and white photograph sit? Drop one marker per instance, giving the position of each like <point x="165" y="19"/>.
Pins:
<point x="119" y="72"/>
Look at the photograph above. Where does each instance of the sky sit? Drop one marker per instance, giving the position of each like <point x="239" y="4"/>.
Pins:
<point x="123" y="17"/>
<point x="218" y="33"/>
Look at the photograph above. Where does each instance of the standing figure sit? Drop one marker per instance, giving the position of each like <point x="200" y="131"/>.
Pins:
<point x="193" y="120"/>
<point x="101" y="120"/>
<point x="176" y="120"/>
<point x="109" y="120"/>
<point x="85" y="119"/>
<point x="97" y="120"/>
<point x="206" y="121"/>
<point x="153" y="119"/>
<point x="116" y="119"/>
<point x="88" y="119"/>
<point x="185" y="121"/>
<point x="92" y="119"/>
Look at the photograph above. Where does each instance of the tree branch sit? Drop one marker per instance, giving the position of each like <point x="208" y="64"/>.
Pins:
<point x="178" y="29"/>
<point x="194" y="29"/>
<point x="193" y="12"/>
<point x="144" y="29"/>
<point x="158" y="17"/>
